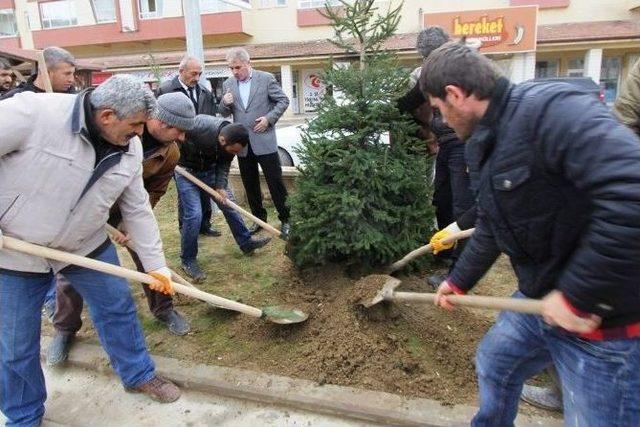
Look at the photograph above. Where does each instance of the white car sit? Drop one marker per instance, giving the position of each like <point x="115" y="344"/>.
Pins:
<point x="289" y="137"/>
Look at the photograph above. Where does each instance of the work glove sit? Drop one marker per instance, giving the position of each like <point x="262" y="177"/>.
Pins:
<point x="163" y="275"/>
<point x="436" y="240"/>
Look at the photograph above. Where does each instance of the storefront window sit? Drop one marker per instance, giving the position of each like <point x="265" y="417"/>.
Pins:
<point x="575" y="67"/>
<point x="609" y="78"/>
<point x="547" y="68"/>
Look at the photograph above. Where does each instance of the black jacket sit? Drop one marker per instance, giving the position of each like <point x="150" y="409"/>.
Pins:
<point x="27" y="86"/>
<point x="557" y="179"/>
<point x="192" y="157"/>
<point x="201" y="151"/>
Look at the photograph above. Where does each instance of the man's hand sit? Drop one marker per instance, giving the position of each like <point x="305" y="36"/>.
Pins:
<point x="261" y="124"/>
<point x="121" y="238"/>
<point x="163" y="276"/>
<point x="228" y="98"/>
<point x="436" y="240"/>
<point x="556" y="311"/>
<point x="223" y="195"/>
<point x="441" y="295"/>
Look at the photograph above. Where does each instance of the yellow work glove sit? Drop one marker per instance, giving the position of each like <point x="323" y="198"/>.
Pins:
<point x="436" y="240"/>
<point x="162" y="275"/>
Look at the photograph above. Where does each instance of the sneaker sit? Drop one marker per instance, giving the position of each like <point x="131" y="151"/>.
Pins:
<point x="192" y="269"/>
<point x="285" y="229"/>
<point x="434" y="280"/>
<point x="158" y="389"/>
<point x="254" y="229"/>
<point x="210" y="232"/>
<point x="58" y="349"/>
<point x="49" y="309"/>
<point x="549" y="398"/>
<point x="175" y="322"/>
<point x="254" y="244"/>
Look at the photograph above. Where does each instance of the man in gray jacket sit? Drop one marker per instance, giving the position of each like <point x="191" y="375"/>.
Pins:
<point x="64" y="161"/>
<point x="257" y="101"/>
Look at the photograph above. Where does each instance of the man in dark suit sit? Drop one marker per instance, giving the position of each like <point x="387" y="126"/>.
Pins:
<point x="257" y="101"/>
<point x="187" y="82"/>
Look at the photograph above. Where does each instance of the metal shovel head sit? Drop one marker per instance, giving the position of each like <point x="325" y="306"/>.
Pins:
<point x="383" y="294"/>
<point x="284" y="316"/>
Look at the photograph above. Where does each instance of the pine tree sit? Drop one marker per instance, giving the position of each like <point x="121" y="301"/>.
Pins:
<point x="358" y="197"/>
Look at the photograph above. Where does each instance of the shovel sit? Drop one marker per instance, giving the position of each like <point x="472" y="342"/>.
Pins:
<point x="454" y="237"/>
<point x="272" y="314"/>
<point x="388" y="293"/>
<point x="229" y="203"/>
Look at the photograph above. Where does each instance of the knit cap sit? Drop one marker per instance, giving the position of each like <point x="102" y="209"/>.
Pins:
<point x="175" y="109"/>
<point x="430" y="39"/>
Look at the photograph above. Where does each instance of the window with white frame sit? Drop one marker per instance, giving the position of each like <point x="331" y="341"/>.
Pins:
<point x="61" y="13"/>
<point x="610" y="78"/>
<point x="281" y="3"/>
<point x="312" y="4"/>
<point x="8" y="25"/>
<point x="150" y="9"/>
<point x="575" y="67"/>
<point x="547" y="68"/>
<point x="104" y="10"/>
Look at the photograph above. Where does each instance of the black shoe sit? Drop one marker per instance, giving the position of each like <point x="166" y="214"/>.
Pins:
<point x="255" y="244"/>
<point x="192" y="269"/>
<point x="211" y="232"/>
<point x="175" y="322"/>
<point x="58" y="349"/>
<point x="435" y="279"/>
<point x="285" y="229"/>
<point x="255" y="228"/>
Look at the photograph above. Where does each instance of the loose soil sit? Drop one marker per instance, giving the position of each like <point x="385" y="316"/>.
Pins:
<point x="413" y="350"/>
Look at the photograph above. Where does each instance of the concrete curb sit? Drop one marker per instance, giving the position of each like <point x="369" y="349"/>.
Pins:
<point x="365" y="405"/>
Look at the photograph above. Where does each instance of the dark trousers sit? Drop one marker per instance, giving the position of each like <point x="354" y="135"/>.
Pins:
<point x="452" y="194"/>
<point x="270" y="164"/>
<point x="67" y="318"/>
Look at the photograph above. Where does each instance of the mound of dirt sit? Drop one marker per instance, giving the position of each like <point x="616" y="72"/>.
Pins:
<point x="412" y="350"/>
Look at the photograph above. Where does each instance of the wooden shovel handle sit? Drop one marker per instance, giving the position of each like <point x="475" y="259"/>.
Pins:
<point x="521" y="305"/>
<point x="228" y="202"/>
<point x="427" y="249"/>
<point x="44" y="252"/>
<point x="43" y="71"/>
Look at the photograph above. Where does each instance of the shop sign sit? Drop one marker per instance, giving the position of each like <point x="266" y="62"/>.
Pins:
<point x="313" y="89"/>
<point x="505" y="30"/>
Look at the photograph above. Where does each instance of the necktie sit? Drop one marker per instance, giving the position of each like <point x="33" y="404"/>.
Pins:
<point x="193" y="98"/>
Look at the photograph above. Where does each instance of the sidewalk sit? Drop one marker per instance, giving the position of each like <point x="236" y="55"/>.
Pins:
<point x="85" y="392"/>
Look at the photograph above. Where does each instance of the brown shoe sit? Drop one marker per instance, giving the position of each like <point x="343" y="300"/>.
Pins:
<point x="159" y="389"/>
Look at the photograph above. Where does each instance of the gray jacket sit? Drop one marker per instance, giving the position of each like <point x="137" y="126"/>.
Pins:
<point x="46" y="160"/>
<point x="266" y="98"/>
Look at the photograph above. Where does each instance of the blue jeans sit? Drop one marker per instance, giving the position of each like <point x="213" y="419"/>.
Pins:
<point x="600" y="379"/>
<point x="22" y="387"/>
<point x="190" y="212"/>
<point x="50" y="297"/>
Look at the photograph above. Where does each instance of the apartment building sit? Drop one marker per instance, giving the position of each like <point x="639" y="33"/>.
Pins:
<point x="528" y="38"/>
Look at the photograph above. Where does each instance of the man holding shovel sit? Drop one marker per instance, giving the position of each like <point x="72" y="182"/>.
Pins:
<point x="207" y="155"/>
<point x="173" y="116"/>
<point x="558" y="190"/>
<point x="64" y="161"/>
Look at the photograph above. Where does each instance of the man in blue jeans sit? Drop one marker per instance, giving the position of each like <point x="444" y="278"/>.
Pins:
<point x="557" y="181"/>
<point x="207" y="154"/>
<point x="64" y="161"/>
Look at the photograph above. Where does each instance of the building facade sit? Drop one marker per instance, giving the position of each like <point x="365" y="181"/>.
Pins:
<point x="528" y="38"/>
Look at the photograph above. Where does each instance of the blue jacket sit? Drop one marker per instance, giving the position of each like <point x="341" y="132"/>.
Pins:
<point x="557" y="180"/>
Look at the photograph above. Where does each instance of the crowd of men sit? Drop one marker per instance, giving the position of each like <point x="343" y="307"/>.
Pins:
<point x="544" y="172"/>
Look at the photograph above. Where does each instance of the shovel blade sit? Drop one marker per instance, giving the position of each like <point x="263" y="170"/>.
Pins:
<point x="284" y="316"/>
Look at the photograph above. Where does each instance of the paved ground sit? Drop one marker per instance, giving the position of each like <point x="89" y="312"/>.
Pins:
<point x="78" y="397"/>
<point x="86" y="393"/>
